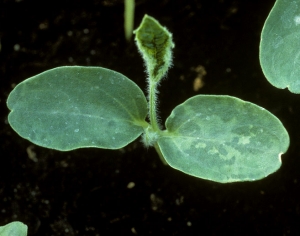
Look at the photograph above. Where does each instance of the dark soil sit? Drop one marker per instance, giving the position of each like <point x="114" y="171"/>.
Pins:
<point x="85" y="192"/>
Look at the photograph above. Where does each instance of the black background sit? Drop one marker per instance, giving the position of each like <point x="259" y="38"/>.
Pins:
<point x="84" y="192"/>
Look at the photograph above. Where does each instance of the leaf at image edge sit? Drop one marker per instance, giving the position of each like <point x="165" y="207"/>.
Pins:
<point x="15" y="228"/>
<point x="280" y="46"/>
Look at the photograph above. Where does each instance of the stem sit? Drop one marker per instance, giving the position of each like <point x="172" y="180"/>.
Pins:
<point x="152" y="106"/>
<point x="128" y="18"/>
<point x="153" y="116"/>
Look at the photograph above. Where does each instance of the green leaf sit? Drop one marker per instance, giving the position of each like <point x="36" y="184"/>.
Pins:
<point x="15" y="228"/>
<point x="72" y="107"/>
<point x="224" y="139"/>
<point x="155" y="44"/>
<point x="280" y="46"/>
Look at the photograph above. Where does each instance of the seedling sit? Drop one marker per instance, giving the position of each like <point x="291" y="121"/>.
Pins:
<point x="219" y="138"/>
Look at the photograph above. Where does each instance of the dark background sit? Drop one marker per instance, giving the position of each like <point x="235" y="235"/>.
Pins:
<point x="85" y="192"/>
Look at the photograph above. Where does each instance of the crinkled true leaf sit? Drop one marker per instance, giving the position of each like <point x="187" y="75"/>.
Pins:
<point x="71" y="107"/>
<point x="155" y="44"/>
<point x="15" y="228"/>
<point x="280" y="46"/>
<point x="223" y="139"/>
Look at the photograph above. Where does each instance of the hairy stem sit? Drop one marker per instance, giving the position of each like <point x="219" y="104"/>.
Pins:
<point x="152" y="106"/>
<point x="153" y="116"/>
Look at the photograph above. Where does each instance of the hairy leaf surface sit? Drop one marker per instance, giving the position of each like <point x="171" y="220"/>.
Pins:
<point x="280" y="46"/>
<point x="224" y="139"/>
<point x="72" y="107"/>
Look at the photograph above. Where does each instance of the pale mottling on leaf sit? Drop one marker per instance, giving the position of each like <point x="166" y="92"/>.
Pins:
<point x="200" y="145"/>
<point x="297" y="20"/>
<point x="244" y="140"/>
<point x="239" y="142"/>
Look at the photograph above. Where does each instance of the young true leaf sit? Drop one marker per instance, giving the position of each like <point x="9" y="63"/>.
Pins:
<point x="280" y="46"/>
<point x="155" y="44"/>
<point x="15" y="228"/>
<point x="223" y="139"/>
<point x="72" y="107"/>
